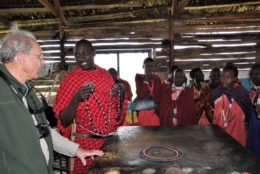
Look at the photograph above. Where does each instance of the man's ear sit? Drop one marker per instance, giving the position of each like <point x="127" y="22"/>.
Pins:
<point x="19" y="58"/>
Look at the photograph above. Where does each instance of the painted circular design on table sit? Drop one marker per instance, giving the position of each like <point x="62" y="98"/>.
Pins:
<point x="161" y="154"/>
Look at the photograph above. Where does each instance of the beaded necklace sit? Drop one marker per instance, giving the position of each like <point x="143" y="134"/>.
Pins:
<point x="224" y="117"/>
<point x="107" y="117"/>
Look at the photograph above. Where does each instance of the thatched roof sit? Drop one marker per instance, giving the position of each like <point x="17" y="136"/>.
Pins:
<point x="195" y="23"/>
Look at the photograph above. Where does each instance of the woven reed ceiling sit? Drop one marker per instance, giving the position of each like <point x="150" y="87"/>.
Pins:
<point x="141" y="21"/>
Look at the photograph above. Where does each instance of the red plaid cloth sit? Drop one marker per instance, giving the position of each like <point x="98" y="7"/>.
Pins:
<point x="143" y="90"/>
<point x="103" y="82"/>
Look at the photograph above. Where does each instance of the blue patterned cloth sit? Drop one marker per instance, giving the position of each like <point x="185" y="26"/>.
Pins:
<point x="253" y="139"/>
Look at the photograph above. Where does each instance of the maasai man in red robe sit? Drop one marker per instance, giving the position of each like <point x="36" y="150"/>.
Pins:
<point x="232" y="105"/>
<point x="89" y="96"/>
<point x="198" y="83"/>
<point x="182" y="111"/>
<point x="148" y="84"/>
<point x="166" y="104"/>
<point x="204" y="108"/>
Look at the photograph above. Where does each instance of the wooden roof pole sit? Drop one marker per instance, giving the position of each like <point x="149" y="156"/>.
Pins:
<point x="176" y="9"/>
<point x="171" y="33"/>
<point x="59" y="12"/>
<point x="48" y="6"/>
<point x="62" y="50"/>
<point x="5" y="21"/>
<point x="257" y="60"/>
<point x="54" y="9"/>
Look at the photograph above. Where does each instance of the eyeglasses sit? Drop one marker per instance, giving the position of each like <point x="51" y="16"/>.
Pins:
<point x="39" y="56"/>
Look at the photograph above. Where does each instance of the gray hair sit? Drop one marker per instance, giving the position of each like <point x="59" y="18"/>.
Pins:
<point x="15" y="42"/>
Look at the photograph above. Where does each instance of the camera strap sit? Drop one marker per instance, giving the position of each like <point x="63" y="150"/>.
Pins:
<point x="41" y="125"/>
<point x="3" y="76"/>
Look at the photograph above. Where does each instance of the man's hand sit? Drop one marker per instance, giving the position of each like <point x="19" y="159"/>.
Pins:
<point x="84" y="91"/>
<point x="82" y="154"/>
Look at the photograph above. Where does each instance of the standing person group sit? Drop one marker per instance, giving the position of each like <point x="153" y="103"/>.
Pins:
<point x="27" y="142"/>
<point x="89" y="105"/>
<point x="223" y="102"/>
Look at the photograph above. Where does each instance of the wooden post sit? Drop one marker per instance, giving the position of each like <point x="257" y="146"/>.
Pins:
<point x="118" y="62"/>
<point x="171" y="33"/>
<point x="62" y="52"/>
<point x="171" y="38"/>
<point x="257" y="47"/>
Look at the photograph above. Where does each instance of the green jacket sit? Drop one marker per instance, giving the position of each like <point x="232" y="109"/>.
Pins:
<point x="20" y="150"/>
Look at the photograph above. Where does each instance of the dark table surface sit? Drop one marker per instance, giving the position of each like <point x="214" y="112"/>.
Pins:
<point x="207" y="149"/>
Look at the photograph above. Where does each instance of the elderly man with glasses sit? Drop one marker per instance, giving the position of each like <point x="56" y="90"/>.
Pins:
<point x="27" y="141"/>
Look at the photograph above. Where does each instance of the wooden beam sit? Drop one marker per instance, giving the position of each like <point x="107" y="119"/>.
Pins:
<point x="5" y="22"/>
<point x="62" y="49"/>
<point x="229" y="5"/>
<point x="8" y="11"/>
<point x="123" y="15"/>
<point x="217" y="62"/>
<point x="64" y="8"/>
<point x="178" y="28"/>
<point x="55" y="10"/>
<point x="59" y="12"/>
<point x="48" y="6"/>
<point x="113" y="40"/>
<point x="129" y="4"/>
<point x="109" y="6"/>
<point x="193" y="51"/>
<point x="214" y="56"/>
<point x="181" y="5"/>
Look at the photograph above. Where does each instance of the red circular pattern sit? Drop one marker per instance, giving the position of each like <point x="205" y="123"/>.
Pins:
<point x="176" y="154"/>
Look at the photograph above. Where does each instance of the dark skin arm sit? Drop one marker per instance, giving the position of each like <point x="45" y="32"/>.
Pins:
<point x="68" y="115"/>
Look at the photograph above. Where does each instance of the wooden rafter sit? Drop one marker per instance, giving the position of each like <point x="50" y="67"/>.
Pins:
<point x="48" y="6"/>
<point x="60" y="11"/>
<point x="110" y="6"/>
<point x="4" y="21"/>
<point x="207" y="7"/>
<point x="55" y="10"/>
<point x="182" y="4"/>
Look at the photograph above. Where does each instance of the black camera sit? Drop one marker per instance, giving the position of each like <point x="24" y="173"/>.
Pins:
<point x="43" y="130"/>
